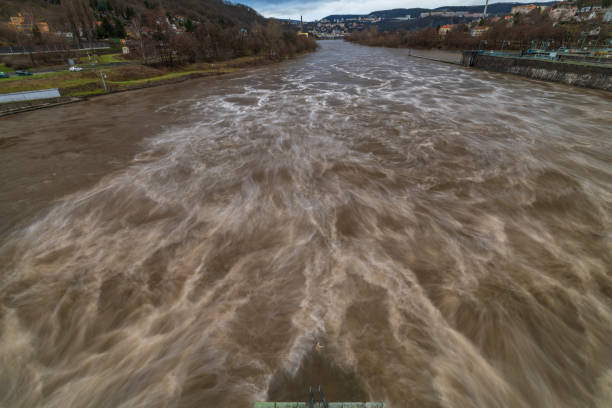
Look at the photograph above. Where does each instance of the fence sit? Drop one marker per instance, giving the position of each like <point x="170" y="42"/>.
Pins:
<point x="604" y="58"/>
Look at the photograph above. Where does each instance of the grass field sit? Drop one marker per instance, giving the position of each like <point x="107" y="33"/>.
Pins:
<point x="99" y="59"/>
<point x="71" y="83"/>
<point x="4" y="68"/>
<point x="45" y="81"/>
<point x="123" y="77"/>
<point x="109" y="58"/>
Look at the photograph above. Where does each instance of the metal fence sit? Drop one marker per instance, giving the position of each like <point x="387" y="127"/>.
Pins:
<point x="559" y="56"/>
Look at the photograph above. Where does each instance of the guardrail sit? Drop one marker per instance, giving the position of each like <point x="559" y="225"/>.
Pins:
<point x="554" y="56"/>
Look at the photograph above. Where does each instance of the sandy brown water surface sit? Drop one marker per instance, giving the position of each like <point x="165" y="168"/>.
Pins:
<point x="444" y="233"/>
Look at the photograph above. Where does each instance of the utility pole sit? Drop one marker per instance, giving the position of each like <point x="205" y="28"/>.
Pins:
<point x="484" y="15"/>
<point x="102" y="77"/>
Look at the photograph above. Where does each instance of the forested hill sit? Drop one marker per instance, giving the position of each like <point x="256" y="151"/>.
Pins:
<point x="215" y="11"/>
<point x="397" y="13"/>
<point x="496" y="8"/>
<point x="155" y="31"/>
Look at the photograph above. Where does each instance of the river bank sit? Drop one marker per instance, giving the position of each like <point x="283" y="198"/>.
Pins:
<point x="569" y="72"/>
<point x="81" y="86"/>
<point x="586" y="75"/>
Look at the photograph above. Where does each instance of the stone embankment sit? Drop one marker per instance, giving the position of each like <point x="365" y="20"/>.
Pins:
<point x="571" y="73"/>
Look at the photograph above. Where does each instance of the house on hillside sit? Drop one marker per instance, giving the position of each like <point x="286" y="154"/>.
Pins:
<point x="592" y="33"/>
<point x="18" y="20"/>
<point x="21" y="24"/>
<point x="445" y="29"/>
<point x="524" y="9"/>
<point x="563" y="14"/>
<point x="43" y="27"/>
<point x="479" y="31"/>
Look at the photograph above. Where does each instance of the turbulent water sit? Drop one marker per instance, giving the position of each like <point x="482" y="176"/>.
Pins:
<point x="443" y="233"/>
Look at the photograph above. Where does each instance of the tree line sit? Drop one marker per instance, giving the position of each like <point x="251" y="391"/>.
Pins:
<point x="209" y="41"/>
<point x="520" y="33"/>
<point x="172" y="31"/>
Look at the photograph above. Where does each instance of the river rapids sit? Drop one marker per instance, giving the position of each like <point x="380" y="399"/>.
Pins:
<point x="443" y="233"/>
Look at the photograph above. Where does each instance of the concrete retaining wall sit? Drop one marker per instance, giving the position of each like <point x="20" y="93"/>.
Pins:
<point x="588" y="76"/>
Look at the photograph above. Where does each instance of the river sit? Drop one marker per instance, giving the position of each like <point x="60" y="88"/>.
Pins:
<point x="443" y="233"/>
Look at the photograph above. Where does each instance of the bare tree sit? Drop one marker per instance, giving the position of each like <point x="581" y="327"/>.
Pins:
<point x="138" y="33"/>
<point x="80" y="18"/>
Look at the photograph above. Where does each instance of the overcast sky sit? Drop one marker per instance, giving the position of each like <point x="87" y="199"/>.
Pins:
<point x="317" y="9"/>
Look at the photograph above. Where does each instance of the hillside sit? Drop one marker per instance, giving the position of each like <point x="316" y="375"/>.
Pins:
<point x="216" y="11"/>
<point x="344" y="16"/>
<point x="154" y="31"/>
<point x="398" y="13"/>
<point x="495" y="8"/>
<point x="419" y="23"/>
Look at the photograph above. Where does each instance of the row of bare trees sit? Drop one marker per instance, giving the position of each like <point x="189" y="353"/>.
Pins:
<point x="209" y="41"/>
<point x="154" y="36"/>
<point x="80" y="18"/>
<point x="518" y="34"/>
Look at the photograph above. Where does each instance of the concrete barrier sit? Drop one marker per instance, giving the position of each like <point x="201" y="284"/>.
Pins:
<point x="585" y="75"/>
<point x="30" y="95"/>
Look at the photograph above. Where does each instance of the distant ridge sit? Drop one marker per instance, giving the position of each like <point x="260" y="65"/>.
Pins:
<point x="337" y="16"/>
<point x="495" y="8"/>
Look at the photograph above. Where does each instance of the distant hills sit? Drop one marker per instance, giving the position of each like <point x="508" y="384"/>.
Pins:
<point x="344" y="16"/>
<point x="496" y="8"/>
<point x="399" y="12"/>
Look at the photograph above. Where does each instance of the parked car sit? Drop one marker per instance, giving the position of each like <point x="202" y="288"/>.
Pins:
<point x="74" y="68"/>
<point x="23" y="73"/>
<point x="3" y="75"/>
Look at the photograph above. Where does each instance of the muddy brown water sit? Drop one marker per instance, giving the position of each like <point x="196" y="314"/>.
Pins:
<point x="444" y="233"/>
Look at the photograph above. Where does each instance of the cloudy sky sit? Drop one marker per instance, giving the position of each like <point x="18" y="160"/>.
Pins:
<point x="317" y="9"/>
